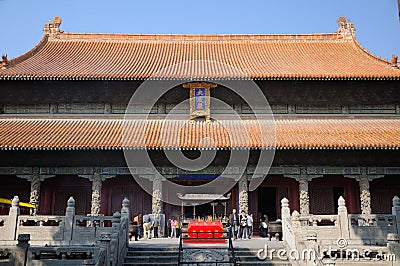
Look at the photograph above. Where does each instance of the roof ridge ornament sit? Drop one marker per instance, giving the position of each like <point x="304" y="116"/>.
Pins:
<point x="394" y="61"/>
<point x="4" y="61"/>
<point x="346" y="28"/>
<point x="53" y="27"/>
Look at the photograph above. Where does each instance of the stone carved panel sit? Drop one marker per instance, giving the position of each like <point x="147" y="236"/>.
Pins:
<point x="206" y="255"/>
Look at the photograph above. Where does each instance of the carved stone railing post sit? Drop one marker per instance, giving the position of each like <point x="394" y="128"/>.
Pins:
<point x="22" y="249"/>
<point x="296" y="220"/>
<point x="343" y="219"/>
<point x="12" y="221"/>
<point x="116" y="225"/>
<point x="285" y="211"/>
<point x="243" y="194"/>
<point x="125" y="208"/>
<point x="35" y="178"/>
<point x="396" y="211"/>
<point x="104" y="243"/>
<point x="69" y="220"/>
<point x="126" y="215"/>
<point x="156" y="202"/>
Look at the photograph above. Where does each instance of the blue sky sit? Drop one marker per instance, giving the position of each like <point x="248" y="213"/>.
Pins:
<point x="376" y="21"/>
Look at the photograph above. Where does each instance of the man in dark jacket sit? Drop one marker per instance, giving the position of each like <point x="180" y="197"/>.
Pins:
<point x="169" y="228"/>
<point x="234" y="222"/>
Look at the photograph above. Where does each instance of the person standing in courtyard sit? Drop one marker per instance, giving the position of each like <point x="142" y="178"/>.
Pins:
<point x="173" y="227"/>
<point x="169" y="227"/>
<point x="137" y="220"/>
<point x="234" y="222"/>
<point x="146" y="226"/>
<point x="249" y="225"/>
<point x="156" y="223"/>
<point x="243" y="226"/>
<point x="178" y="227"/>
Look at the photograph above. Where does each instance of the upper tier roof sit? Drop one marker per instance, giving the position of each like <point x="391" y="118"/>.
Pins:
<point x="62" y="55"/>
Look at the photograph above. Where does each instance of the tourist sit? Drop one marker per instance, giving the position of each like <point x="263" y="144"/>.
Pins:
<point x="173" y="227"/>
<point x="155" y="224"/>
<point x="249" y="225"/>
<point x="146" y="226"/>
<point x="131" y="233"/>
<point x="137" y="219"/>
<point x="234" y="221"/>
<point x="262" y="228"/>
<point x="228" y="227"/>
<point x="133" y="230"/>
<point x="243" y="226"/>
<point x="169" y="227"/>
<point x="178" y="227"/>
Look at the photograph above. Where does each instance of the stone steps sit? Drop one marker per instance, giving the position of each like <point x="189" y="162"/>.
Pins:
<point x="147" y="256"/>
<point x="167" y="255"/>
<point x="249" y="257"/>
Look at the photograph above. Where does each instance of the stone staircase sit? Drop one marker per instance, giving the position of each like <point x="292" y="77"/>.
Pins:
<point x="168" y="255"/>
<point x="249" y="256"/>
<point x="148" y="255"/>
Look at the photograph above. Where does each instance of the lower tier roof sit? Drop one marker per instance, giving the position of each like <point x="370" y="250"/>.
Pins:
<point x="111" y="133"/>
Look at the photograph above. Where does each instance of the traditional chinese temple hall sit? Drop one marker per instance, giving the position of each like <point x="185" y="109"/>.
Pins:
<point x="98" y="117"/>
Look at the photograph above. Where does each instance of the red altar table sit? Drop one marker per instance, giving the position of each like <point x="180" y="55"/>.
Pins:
<point x="205" y="232"/>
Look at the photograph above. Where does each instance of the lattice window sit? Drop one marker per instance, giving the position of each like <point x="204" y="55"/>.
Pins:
<point x="26" y="108"/>
<point x="81" y="108"/>
<point x="318" y="109"/>
<point x="372" y="109"/>
<point x="180" y="109"/>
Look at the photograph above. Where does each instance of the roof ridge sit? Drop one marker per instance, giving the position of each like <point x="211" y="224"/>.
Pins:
<point x="86" y="56"/>
<point x="198" y="37"/>
<point x="370" y="54"/>
<point x="27" y="54"/>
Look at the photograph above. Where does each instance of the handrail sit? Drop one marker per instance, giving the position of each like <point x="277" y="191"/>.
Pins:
<point x="232" y="250"/>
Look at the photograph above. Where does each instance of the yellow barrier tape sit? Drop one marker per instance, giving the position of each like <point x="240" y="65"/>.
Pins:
<point x="22" y="204"/>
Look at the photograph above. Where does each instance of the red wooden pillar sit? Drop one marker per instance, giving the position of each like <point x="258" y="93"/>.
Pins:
<point x="294" y="196"/>
<point x="47" y="196"/>
<point x="352" y="195"/>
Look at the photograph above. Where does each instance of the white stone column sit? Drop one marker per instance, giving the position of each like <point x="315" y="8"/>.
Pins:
<point x="365" y="195"/>
<point x="243" y="194"/>
<point x="35" y="190"/>
<point x="35" y="178"/>
<point x="304" y="198"/>
<point x="156" y="202"/>
<point x="97" y="184"/>
<point x="303" y="194"/>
